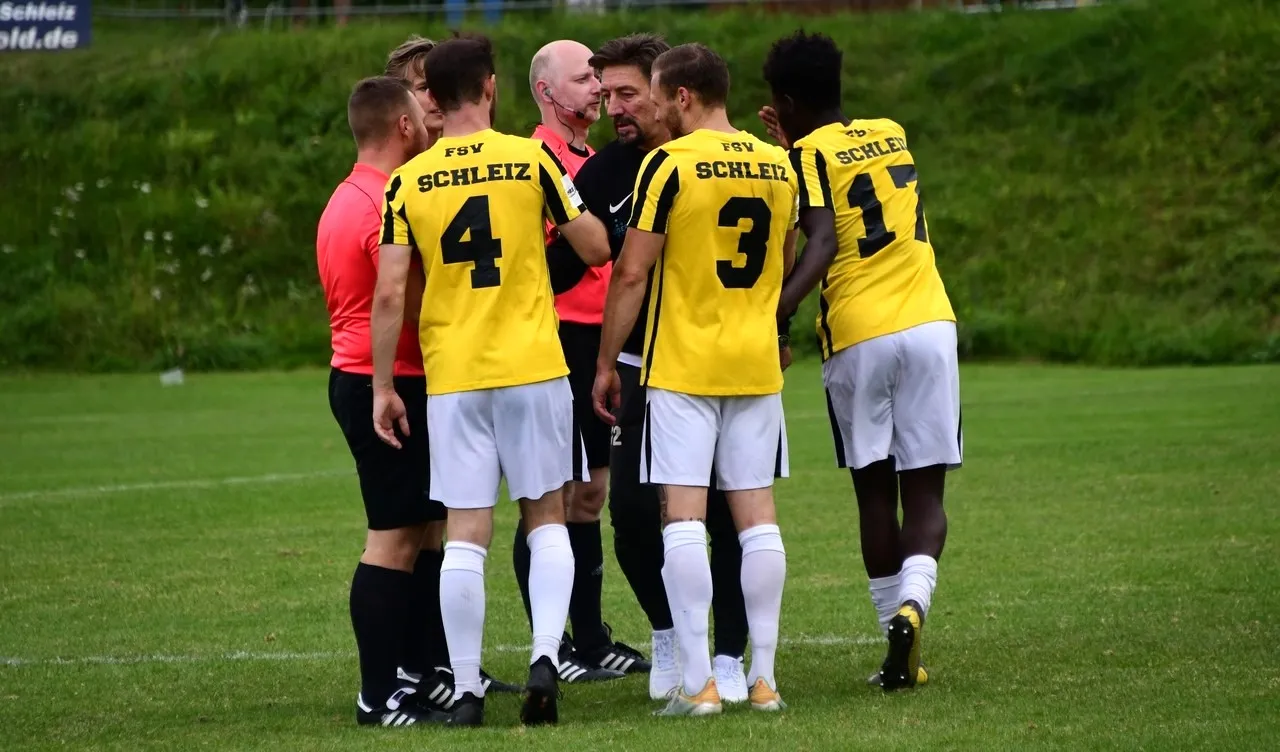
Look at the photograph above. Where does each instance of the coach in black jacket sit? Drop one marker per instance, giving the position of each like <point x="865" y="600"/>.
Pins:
<point x="606" y="182"/>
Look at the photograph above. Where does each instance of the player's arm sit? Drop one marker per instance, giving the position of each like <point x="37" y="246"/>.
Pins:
<point x="395" y="254"/>
<point x="564" y="208"/>
<point x="817" y="221"/>
<point x="655" y="194"/>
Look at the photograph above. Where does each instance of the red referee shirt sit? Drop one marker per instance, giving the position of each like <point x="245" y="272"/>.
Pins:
<point x="347" y="255"/>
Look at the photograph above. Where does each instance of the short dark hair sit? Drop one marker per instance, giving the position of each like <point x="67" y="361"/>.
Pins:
<point x="805" y="67"/>
<point x="639" y="50"/>
<point x="697" y="68"/>
<point x="409" y="58"/>
<point x="374" y="107"/>
<point x="457" y="68"/>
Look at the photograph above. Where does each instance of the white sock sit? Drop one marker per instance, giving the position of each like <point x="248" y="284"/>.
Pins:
<point x="919" y="577"/>
<point x="764" y="571"/>
<point x="884" y="596"/>
<point x="686" y="574"/>
<point x="550" y="585"/>
<point x="462" y="611"/>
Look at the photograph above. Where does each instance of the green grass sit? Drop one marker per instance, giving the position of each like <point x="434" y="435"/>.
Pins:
<point x="1109" y="581"/>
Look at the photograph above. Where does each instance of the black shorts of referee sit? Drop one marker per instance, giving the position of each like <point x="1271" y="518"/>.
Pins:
<point x="395" y="483"/>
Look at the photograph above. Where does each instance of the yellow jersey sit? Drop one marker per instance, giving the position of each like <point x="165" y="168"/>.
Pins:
<point x="725" y="202"/>
<point x="473" y="206"/>
<point x="884" y="278"/>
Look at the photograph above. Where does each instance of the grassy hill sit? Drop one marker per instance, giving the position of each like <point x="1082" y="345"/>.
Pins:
<point x="1101" y="184"/>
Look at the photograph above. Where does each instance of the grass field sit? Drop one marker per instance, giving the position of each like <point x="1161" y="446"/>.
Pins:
<point x="174" y="566"/>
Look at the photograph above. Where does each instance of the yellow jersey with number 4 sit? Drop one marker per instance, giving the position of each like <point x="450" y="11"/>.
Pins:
<point x="725" y="202"/>
<point x="473" y="206"/>
<point x="884" y="278"/>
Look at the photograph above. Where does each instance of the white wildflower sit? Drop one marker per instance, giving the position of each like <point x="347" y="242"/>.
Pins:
<point x="57" y="211"/>
<point x="7" y="249"/>
<point x="155" y="293"/>
<point x="168" y="236"/>
<point x="145" y="187"/>
<point x="71" y="214"/>
<point x="80" y="254"/>
<point x="202" y="202"/>
<point x="148" y="237"/>
<point x="104" y="182"/>
<point x="79" y="187"/>
<point x="226" y="244"/>
<point x="206" y="275"/>
<point x="72" y="194"/>
<point x="53" y="231"/>
<point x="205" y="251"/>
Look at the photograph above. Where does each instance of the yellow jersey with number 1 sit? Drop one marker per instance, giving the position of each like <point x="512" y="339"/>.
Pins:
<point x="725" y="202"/>
<point x="884" y="278"/>
<point x="473" y="206"/>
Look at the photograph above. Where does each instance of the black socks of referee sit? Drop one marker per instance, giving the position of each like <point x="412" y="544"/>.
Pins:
<point x="424" y="642"/>
<point x="379" y="600"/>
<point x="588" y="581"/>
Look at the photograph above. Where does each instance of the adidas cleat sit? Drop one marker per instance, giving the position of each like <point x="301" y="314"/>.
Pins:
<point x="491" y="684"/>
<point x="731" y="680"/>
<point x="399" y="710"/>
<point x="902" y="665"/>
<point x="618" y="657"/>
<point x="541" y="694"/>
<point x="573" y="667"/>
<point x="468" y="710"/>
<point x="706" y="702"/>
<point x="766" y="698"/>
<point x="434" y="691"/>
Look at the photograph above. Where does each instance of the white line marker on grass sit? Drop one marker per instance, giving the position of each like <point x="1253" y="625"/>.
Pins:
<point x="245" y="655"/>
<point x="166" y="485"/>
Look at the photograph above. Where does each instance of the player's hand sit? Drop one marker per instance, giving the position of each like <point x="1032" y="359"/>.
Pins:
<point x="784" y="355"/>
<point x="388" y="410"/>
<point x="769" y="117"/>
<point x="606" y="394"/>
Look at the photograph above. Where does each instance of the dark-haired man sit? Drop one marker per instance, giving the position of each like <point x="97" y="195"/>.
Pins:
<point x="714" y="210"/>
<point x="607" y="182"/>
<point x="887" y="330"/>
<point x="426" y="659"/>
<point x="498" y="399"/>
<point x="393" y="577"/>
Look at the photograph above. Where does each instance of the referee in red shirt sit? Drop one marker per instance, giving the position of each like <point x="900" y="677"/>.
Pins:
<point x="567" y="92"/>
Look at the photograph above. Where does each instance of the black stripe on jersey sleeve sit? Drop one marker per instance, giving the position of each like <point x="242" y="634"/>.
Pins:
<point x="642" y="190"/>
<point x="662" y="212"/>
<point x="824" y="181"/>
<point x="797" y="164"/>
<point x="388" y="216"/>
<point x="656" y="304"/>
<point x="551" y="194"/>
<point x="554" y="159"/>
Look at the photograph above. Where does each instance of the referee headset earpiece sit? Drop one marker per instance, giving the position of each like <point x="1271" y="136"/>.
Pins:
<point x="579" y="114"/>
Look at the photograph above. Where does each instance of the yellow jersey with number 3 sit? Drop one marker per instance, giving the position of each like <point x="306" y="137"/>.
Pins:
<point x="884" y="278"/>
<point x="725" y="202"/>
<point x="473" y="206"/>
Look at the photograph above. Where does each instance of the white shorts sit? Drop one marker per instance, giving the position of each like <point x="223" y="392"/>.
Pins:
<point x="744" y="438"/>
<point x="897" y="396"/>
<point x="523" y="433"/>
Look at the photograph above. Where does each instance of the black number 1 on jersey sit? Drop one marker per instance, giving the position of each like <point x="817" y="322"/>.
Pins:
<point x="862" y="194"/>
<point x="480" y="247"/>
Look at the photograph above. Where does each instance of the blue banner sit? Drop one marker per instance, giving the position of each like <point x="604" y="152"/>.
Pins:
<point x="33" y="26"/>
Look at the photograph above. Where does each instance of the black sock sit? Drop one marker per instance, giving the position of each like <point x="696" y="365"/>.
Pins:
<point x="728" y="609"/>
<point x="520" y="555"/>
<point x="378" y="610"/>
<point x="424" y="643"/>
<point x="588" y="580"/>
<point x="637" y="544"/>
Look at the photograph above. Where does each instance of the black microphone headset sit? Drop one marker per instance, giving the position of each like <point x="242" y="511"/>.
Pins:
<point x="579" y="114"/>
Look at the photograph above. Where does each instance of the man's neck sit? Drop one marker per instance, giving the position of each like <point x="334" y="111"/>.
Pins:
<point x="711" y="119"/>
<point x="466" y="120"/>
<point x="822" y="120"/>
<point x="385" y="159"/>
<point x="573" y="134"/>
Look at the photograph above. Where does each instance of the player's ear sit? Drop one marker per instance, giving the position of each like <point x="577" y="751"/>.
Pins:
<point x="491" y="86"/>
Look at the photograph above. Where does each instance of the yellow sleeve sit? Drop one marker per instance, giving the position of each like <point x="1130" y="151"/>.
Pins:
<point x="813" y="183"/>
<point x="560" y="199"/>
<point x="655" y="192"/>
<point x="395" y="221"/>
